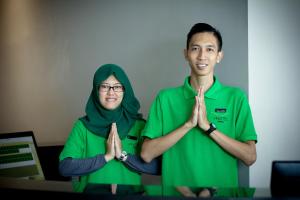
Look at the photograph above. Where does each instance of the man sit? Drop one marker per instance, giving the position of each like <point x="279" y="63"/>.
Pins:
<point x="202" y="128"/>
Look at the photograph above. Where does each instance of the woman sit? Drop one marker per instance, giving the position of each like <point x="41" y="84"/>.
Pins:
<point x="104" y="145"/>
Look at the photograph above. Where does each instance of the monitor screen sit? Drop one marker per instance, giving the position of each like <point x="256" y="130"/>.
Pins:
<point x="285" y="178"/>
<point x="19" y="157"/>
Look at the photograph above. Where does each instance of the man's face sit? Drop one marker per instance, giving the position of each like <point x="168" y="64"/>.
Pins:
<point x="203" y="54"/>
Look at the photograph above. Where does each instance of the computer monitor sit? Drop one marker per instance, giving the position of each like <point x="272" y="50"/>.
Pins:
<point x="19" y="156"/>
<point x="285" y="178"/>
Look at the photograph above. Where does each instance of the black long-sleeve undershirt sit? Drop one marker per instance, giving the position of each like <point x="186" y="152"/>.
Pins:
<point x="78" y="167"/>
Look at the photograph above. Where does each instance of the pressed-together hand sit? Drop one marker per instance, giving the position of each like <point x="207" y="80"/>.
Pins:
<point x="114" y="188"/>
<point x="113" y="144"/>
<point x="110" y="146"/>
<point x="118" y="143"/>
<point x="192" y="122"/>
<point x="202" y="116"/>
<point x="113" y="149"/>
<point x="199" y="116"/>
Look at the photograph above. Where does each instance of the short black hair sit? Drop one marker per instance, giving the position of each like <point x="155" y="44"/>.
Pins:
<point x="202" y="28"/>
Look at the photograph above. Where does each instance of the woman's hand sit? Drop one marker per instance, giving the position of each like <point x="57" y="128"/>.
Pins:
<point x="110" y="145"/>
<point x="118" y="143"/>
<point x="114" y="188"/>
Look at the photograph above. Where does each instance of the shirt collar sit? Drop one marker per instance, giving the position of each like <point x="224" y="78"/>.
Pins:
<point x="190" y="92"/>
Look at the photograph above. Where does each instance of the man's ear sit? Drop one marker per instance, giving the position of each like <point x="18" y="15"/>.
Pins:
<point x="220" y="56"/>
<point x="185" y="52"/>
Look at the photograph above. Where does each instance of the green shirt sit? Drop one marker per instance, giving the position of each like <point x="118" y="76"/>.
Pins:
<point x="196" y="160"/>
<point x="82" y="143"/>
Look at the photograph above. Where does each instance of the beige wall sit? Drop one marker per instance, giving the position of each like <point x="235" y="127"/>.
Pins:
<point x="50" y="50"/>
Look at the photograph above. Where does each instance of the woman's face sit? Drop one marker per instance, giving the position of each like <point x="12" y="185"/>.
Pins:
<point x="111" y="93"/>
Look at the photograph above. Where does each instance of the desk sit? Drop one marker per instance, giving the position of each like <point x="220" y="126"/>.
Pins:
<point x="25" y="184"/>
<point x="63" y="190"/>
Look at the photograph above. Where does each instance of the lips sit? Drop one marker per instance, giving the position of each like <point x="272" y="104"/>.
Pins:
<point x="111" y="99"/>
<point x="201" y="66"/>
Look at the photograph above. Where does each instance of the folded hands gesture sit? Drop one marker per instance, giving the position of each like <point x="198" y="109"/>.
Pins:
<point x="199" y="116"/>
<point x="113" y="144"/>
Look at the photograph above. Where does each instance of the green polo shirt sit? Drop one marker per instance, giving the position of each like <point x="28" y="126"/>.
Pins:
<point x="196" y="160"/>
<point x="82" y="143"/>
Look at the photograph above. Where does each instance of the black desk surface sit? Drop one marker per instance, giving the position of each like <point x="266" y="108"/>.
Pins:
<point x="29" y="189"/>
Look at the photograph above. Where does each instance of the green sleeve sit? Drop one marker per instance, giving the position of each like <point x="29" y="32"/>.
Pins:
<point x="153" y="127"/>
<point x="245" y="129"/>
<point x="75" y="144"/>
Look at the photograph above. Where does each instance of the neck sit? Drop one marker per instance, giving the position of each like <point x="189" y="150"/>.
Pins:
<point x="198" y="81"/>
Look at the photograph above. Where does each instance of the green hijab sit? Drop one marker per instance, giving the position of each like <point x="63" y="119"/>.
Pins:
<point x="98" y="120"/>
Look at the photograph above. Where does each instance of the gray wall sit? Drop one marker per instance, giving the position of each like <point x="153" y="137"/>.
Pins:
<point x="274" y="58"/>
<point x="50" y="50"/>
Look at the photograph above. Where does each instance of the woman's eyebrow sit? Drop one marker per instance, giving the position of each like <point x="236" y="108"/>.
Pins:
<point x="106" y="83"/>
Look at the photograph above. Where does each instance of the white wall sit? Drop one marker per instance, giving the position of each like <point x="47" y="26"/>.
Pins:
<point x="274" y="57"/>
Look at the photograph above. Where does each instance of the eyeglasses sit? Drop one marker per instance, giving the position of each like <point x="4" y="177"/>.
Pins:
<point x="106" y="88"/>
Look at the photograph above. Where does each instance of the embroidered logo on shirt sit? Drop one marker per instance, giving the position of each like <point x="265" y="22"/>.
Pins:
<point x="220" y="110"/>
<point x="220" y="115"/>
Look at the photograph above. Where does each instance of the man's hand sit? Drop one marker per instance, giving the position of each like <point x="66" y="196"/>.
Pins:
<point x="192" y="122"/>
<point x="185" y="191"/>
<point x="202" y="116"/>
